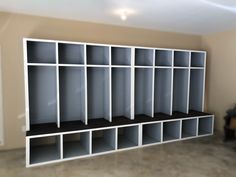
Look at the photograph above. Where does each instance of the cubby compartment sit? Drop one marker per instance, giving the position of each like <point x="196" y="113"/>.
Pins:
<point x="76" y="144"/>
<point x="103" y="140"/>
<point x="180" y="90"/>
<point x="143" y="57"/>
<point x="189" y="128"/>
<point x="143" y="91"/>
<point x="128" y="136"/>
<point x="71" y="53"/>
<point x="181" y="59"/>
<point x="205" y="125"/>
<point x="163" y="90"/>
<point x="151" y="133"/>
<point x="97" y="55"/>
<point x="121" y="92"/>
<point x="120" y="56"/>
<point x="197" y="59"/>
<point x="44" y="149"/>
<point x="163" y="58"/>
<point x="98" y="92"/>
<point x="171" y="130"/>
<point x="42" y="94"/>
<point x="41" y="52"/>
<point x="196" y="89"/>
<point x="72" y="94"/>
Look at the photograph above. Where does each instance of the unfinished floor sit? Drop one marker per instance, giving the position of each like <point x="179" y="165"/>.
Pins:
<point x="203" y="157"/>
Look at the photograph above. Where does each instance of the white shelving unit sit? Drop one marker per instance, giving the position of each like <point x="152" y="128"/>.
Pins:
<point x="85" y="99"/>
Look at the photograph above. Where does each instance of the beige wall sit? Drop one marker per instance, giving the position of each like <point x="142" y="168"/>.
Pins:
<point x="13" y="27"/>
<point x="221" y="73"/>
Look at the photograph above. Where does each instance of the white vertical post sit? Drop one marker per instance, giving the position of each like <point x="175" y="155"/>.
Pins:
<point x="140" y="134"/>
<point x="85" y="87"/>
<point x="61" y="146"/>
<point x="110" y="86"/>
<point x="197" y="133"/>
<point x="27" y="151"/>
<point x="132" y="101"/>
<point x="90" y="142"/>
<point x="204" y="82"/>
<point x="188" y="90"/>
<point x="172" y="83"/>
<point x="27" y="120"/>
<point x="153" y="82"/>
<point x="58" y="86"/>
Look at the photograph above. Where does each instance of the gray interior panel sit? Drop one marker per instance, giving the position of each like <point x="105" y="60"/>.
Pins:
<point x="143" y="57"/>
<point x="162" y="93"/>
<point x="41" y="52"/>
<point x="121" y="92"/>
<point x="120" y="56"/>
<point x="196" y="89"/>
<point x="71" y="53"/>
<point x="128" y="137"/>
<point x="189" y="128"/>
<point x="72" y="91"/>
<point x="197" y="59"/>
<point x="143" y="91"/>
<point x="181" y="59"/>
<point x="151" y="133"/>
<point x="163" y="58"/>
<point x="180" y="91"/>
<point x="44" y="149"/>
<point x="98" y="55"/>
<point x="205" y="125"/>
<point x="98" y="96"/>
<point x="42" y="94"/>
<point x="171" y="130"/>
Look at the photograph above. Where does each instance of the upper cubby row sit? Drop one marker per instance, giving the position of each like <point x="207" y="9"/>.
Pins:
<point x="46" y="52"/>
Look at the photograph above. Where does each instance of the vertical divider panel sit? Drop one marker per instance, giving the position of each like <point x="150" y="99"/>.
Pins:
<point x="189" y="72"/>
<point x="172" y="84"/>
<point x="153" y="80"/>
<point x="85" y="86"/>
<point x="110" y="87"/>
<point x="27" y="119"/>
<point x="140" y="135"/>
<point x="116" y="138"/>
<point x="58" y="86"/>
<point x="27" y="151"/>
<point x="90" y="142"/>
<point x="204" y="82"/>
<point x="61" y="146"/>
<point x="132" y="82"/>
<point x="161" y="132"/>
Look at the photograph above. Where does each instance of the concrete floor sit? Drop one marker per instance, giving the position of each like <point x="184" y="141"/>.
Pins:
<point x="202" y="157"/>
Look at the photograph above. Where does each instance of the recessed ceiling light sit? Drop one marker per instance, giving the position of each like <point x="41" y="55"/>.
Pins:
<point x="124" y="13"/>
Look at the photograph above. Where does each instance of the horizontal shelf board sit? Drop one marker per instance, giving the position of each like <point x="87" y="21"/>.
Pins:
<point x="41" y="64"/>
<point x="181" y="67"/>
<point x="43" y="154"/>
<point x="163" y="67"/>
<point x="74" y="149"/>
<point x="143" y="66"/>
<point x="98" y="66"/>
<point x="197" y="68"/>
<point x="99" y="146"/>
<point x="71" y="65"/>
<point x="149" y="140"/>
<point x="103" y="123"/>
<point x="124" y="142"/>
<point x="120" y="66"/>
<point x="187" y="135"/>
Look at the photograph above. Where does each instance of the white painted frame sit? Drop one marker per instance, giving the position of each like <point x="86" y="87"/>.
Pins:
<point x="1" y="104"/>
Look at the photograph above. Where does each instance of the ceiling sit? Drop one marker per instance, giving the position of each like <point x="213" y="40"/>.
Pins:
<point x="185" y="16"/>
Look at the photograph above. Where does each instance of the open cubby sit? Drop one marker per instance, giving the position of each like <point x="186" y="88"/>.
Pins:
<point x="72" y="93"/>
<point x="180" y="90"/>
<point x="143" y="91"/>
<point x="76" y="144"/>
<point x="189" y="128"/>
<point x="143" y="57"/>
<point x="103" y="140"/>
<point x="71" y="53"/>
<point x="120" y="56"/>
<point x="181" y="59"/>
<point x="97" y="55"/>
<point x="41" y="52"/>
<point x="197" y="59"/>
<point x="171" y="130"/>
<point x="42" y="94"/>
<point x="163" y="58"/>
<point x="163" y="91"/>
<point x="151" y="133"/>
<point x="196" y="89"/>
<point x="121" y="92"/>
<point x="44" y="149"/>
<point x="205" y="125"/>
<point x="128" y="136"/>
<point x="98" y="92"/>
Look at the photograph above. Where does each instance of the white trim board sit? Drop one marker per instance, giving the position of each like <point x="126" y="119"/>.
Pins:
<point x="1" y="104"/>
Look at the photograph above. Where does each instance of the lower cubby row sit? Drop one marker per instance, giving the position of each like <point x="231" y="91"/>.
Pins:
<point x="56" y="147"/>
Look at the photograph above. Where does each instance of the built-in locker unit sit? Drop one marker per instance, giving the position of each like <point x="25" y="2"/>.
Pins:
<point x="86" y="99"/>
